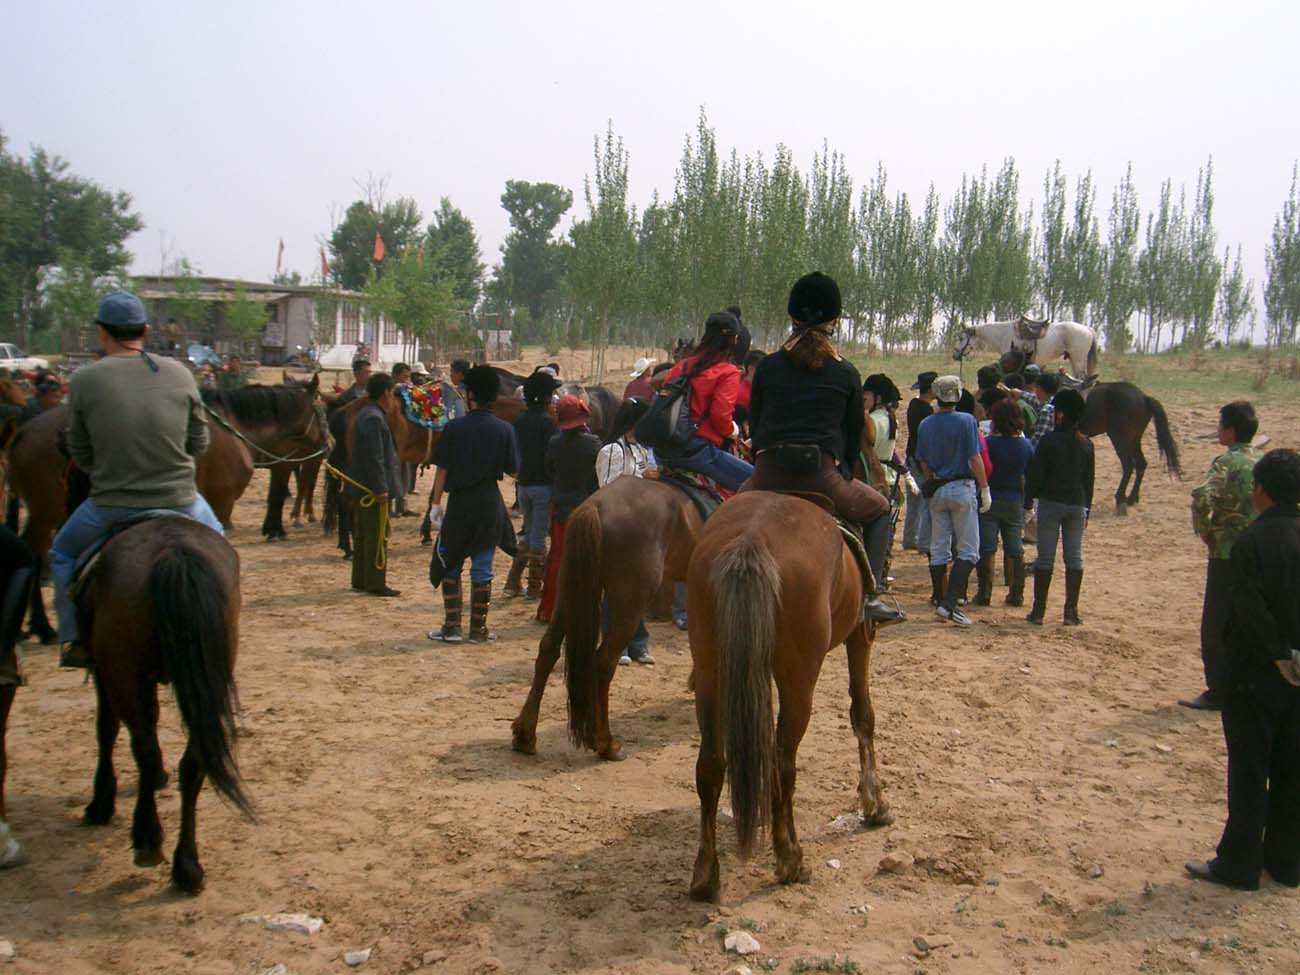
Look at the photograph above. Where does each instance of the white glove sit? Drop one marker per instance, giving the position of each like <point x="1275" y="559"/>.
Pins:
<point x="435" y="516"/>
<point x="986" y="500"/>
<point x="912" y="487"/>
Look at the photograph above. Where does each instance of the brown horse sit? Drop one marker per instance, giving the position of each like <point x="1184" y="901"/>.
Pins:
<point x="621" y="544"/>
<point x="162" y="606"/>
<point x="772" y="588"/>
<point x="283" y="427"/>
<point x="1123" y="412"/>
<point x="38" y="469"/>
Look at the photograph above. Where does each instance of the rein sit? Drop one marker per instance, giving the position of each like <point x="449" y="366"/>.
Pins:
<point x="272" y="459"/>
<point x="367" y="500"/>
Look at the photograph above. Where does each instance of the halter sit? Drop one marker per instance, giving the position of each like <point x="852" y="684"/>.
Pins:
<point x="317" y="416"/>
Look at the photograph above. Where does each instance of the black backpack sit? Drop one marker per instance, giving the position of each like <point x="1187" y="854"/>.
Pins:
<point x="667" y="425"/>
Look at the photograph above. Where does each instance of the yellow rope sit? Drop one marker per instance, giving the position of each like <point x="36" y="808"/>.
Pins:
<point x="368" y="500"/>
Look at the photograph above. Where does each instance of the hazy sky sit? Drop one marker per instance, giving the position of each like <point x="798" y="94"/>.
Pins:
<point x="235" y="124"/>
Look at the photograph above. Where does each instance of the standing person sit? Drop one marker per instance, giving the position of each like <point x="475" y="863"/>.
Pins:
<point x="453" y="391"/>
<point x="639" y="387"/>
<point x="338" y="456"/>
<point x="948" y="450"/>
<point x="474" y="453"/>
<point x="807" y="417"/>
<point x="533" y="432"/>
<point x="373" y="464"/>
<point x="1261" y="688"/>
<point x="881" y="400"/>
<point x="1010" y="451"/>
<point x="401" y="373"/>
<point x="624" y="457"/>
<point x="135" y="426"/>
<point x="1045" y="389"/>
<point x="916" y="520"/>
<point x="1014" y="384"/>
<point x="397" y="503"/>
<point x="1060" y="479"/>
<point x="231" y="378"/>
<point x="743" y="393"/>
<point x="1222" y="507"/>
<point x="714" y="381"/>
<point x="571" y="465"/>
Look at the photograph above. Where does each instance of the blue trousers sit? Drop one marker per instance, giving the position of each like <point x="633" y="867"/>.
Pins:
<point x="702" y="457"/>
<point x="89" y="523"/>
<point x="535" y="503"/>
<point x="480" y="566"/>
<point x="916" y="518"/>
<point x="954" y="523"/>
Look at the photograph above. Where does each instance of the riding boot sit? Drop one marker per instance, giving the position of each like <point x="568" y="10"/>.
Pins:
<point x="513" y="580"/>
<point x="1016" y="592"/>
<point x="480" y="598"/>
<point x="451" y="606"/>
<point x="938" y="583"/>
<point x="536" y="571"/>
<point x="1073" y="583"/>
<point x="961" y="570"/>
<point x="984" y="573"/>
<point x="1042" y="584"/>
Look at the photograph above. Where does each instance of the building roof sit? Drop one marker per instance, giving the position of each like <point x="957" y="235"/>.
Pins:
<point x="163" y="286"/>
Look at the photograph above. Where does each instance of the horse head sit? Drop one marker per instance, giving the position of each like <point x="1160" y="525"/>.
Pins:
<point x="963" y="347"/>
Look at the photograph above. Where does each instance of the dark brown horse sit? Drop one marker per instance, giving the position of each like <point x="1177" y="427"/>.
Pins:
<point x="772" y="588"/>
<point x="1123" y="412"/>
<point x="162" y="607"/>
<point x="38" y="469"/>
<point x="621" y="544"/>
<point x="283" y="427"/>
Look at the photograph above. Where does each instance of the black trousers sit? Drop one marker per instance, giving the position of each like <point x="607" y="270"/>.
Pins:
<point x="368" y="544"/>
<point x="1215" y="611"/>
<point x="1261" y="724"/>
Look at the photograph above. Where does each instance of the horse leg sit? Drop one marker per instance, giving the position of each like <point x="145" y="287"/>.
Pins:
<point x="1126" y="471"/>
<point x="158" y="775"/>
<point x="187" y="874"/>
<point x="524" y="727"/>
<point x="1140" y="469"/>
<point x="624" y="614"/>
<point x="710" y="769"/>
<point x="273" y="524"/>
<point x="295" y="517"/>
<point x="791" y="723"/>
<point x="38" y="623"/>
<point x="11" y="854"/>
<point x="146" y="830"/>
<point x="875" y="810"/>
<point x="104" y="799"/>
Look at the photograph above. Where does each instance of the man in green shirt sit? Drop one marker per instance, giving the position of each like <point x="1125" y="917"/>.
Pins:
<point x="1221" y="509"/>
<point x="135" y="426"/>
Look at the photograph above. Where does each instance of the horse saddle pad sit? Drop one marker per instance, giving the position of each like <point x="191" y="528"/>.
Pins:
<point x="700" y="489"/>
<point x="423" y="405"/>
<point x="1032" y="329"/>
<point x="88" y="559"/>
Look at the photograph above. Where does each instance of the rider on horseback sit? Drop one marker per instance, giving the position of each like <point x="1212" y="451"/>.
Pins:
<point x="135" y="425"/>
<point x="806" y="416"/>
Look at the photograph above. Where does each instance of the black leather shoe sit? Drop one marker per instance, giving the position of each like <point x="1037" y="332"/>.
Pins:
<point x="882" y="615"/>
<point x="1203" y="871"/>
<point x="1205" y="701"/>
<point x="386" y="591"/>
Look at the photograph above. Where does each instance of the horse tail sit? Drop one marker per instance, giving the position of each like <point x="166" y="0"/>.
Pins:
<point x="1092" y="356"/>
<point x="1165" y="437"/>
<point x="747" y="590"/>
<point x="578" y="608"/>
<point x="190" y="604"/>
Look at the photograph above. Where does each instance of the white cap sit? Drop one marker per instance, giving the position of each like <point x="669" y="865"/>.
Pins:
<point x="642" y="364"/>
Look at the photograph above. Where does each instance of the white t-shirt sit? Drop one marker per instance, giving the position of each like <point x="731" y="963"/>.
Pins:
<point x="622" y="457"/>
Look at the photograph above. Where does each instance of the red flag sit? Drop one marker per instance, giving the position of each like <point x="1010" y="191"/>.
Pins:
<point x="379" y="247"/>
<point x="324" y="263"/>
<point x="279" y="257"/>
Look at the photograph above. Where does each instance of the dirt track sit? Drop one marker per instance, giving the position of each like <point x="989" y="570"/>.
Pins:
<point x="1020" y="762"/>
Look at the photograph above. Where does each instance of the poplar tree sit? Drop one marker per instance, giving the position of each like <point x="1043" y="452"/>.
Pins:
<point x="1202" y="268"/>
<point x="1052" y="245"/>
<point x="1083" y="277"/>
<point x="1282" y="270"/>
<point x="1122" y="288"/>
<point x="1236" y="297"/>
<point x="925" y="295"/>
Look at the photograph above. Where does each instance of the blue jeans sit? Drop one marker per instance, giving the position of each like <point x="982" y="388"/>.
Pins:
<point x="702" y="457"/>
<point x="1006" y="517"/>
<point x="954" y="517"/>
<point x="639" y="645"/>
<point x="89" y="523"/>
<point x="480" y="566"/>
<point x="1067" y="521"/>
<point x="679" y="601"/>
<point x="916" y="519"/>
<point x="535" y="503"/>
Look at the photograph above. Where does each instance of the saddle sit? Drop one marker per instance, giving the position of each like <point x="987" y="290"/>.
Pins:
<point x="1082" y="385"/>
<point x="850" y="532"/>
<point x="88" y="559"/>
<point x="1032" y="329"/>
<point x="702" y="491"/>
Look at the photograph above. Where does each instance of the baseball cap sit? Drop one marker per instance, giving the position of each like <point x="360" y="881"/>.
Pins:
<point x="121" y="309"/>
<point x="571" y="412"/>
<point x="948" y="389"/>
<point x="925" y="380"/>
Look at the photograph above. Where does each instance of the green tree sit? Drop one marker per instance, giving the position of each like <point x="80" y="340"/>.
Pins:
<point x="453" y="246"/>
<point x="245" y="316"/>
<point x="1282" y="269"/>
<point x="1236" y="297"/>
<point x="413" y="297"/>
<point x="531" y="262"/>
<point x="352" y="244"/>
<point x="831" y="233"/>
<point x="1083" y="280"/>
<point x="925" y="240"/>
<point x="185" y="305"/>
<point x="70" y="294"/>
<point x="48" y="215"/>
<point x="1120" y="267"/>
<point x="1052" y="248"/>
<point x="1159" y="266"/>
<point x="1203" y="268"/>
<point x="778" y="230"/>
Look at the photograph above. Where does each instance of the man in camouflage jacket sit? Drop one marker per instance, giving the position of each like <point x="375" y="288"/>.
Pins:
<point x="1221" y="509"/>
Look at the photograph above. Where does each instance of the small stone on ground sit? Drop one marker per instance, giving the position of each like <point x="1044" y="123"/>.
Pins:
<point x="742" y="943"/>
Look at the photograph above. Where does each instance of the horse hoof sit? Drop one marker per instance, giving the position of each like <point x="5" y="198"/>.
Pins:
<point x="881" y="817"/>
<point x="96" y="815"/>
<point x="160" y="780"/>
<point x="1121" y="509"/>
<point x="708" y="889"/>
<point x="148" y="858"/>
<point x="187" y="875"/>
<point x="524" y="743"/>
<point x="801" y="873"/>
<point x="613" y="752"/>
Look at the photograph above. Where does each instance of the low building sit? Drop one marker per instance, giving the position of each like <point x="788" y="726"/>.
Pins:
<point x="303" y="322"/>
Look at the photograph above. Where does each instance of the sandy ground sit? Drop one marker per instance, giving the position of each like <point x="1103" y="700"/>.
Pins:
<point x="1045" y="781"/>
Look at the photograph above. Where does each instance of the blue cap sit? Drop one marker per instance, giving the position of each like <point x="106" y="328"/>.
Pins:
<point x="121" y="309"/>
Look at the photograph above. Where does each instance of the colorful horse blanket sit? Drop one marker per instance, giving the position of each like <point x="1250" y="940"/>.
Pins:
<point x="423" y="405"/>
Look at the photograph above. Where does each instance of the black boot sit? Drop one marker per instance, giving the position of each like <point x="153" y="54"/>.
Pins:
<point x="984" y="573"/>
<point x="451" y="604"/>
<point x="480" y="598"/>
<point x="1016" y="592"/>
<point x="1073" y="583"/>
<point x="1042" y="584"/>
<point x="938" y="583"/>
<point x="514" y="581"/>
<point x="948" y="609"/>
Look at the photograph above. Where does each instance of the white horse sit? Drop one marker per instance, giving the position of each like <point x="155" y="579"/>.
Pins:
<point x="1077" y="343"/>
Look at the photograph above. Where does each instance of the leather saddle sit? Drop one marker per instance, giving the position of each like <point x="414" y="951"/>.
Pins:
<point x="88" y="559"/>
<point x="850" y="532"/>
<point x="1032" y="329"/>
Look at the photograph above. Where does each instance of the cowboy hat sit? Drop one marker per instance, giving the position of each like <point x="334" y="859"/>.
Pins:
<point x="641" y="365"/>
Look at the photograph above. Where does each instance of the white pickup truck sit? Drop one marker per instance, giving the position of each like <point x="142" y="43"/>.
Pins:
<point x="13" y="358"/>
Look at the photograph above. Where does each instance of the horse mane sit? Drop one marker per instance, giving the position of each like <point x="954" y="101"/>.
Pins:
<point x="257" y="405"/>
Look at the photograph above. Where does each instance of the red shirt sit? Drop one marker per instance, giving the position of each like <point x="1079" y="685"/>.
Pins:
<point x="713" y="397"/>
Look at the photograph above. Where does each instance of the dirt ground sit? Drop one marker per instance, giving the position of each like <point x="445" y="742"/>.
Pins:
<point x="1045" y="782"/>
